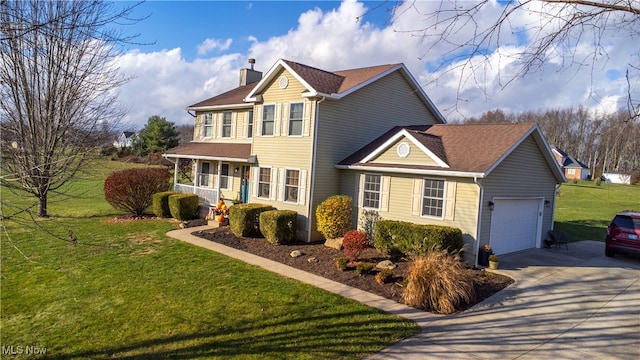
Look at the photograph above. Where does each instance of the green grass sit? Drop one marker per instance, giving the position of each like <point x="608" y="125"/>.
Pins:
<point x="125" y="290"/>
<point x="584" y="210"/>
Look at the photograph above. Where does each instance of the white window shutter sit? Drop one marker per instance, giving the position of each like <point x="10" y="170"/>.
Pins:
<point x="257" y="121"/>
<point x="255" y="177"/>
<point x="306" y="119"/>
<point x="277" y="120"/>
<point x="450" y="200"/>
<point x="384" y="195"/>
<point x="281" y="179"/>
<point x="218" y="127"/>
<point x="234" y="120"/>
<point x="285" y="119"/>
<point x="416" y="198"/>
<point x="273" y="186"/>
<point x="302" y="187"/>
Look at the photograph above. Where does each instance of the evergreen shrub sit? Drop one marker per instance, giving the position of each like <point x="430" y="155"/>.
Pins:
<point x="404" y="238"/>
<point x="161" y="204"/>
<point x="334" y="216"/>
<point x="279" y="226"/>
<point x="183" y="206"/>
<point x="244" y="219"/>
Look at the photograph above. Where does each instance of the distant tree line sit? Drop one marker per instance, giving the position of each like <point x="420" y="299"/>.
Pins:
<point x="603" y="142"/>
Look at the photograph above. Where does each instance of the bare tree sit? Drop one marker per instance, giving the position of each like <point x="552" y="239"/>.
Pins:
<point x="57" y="82"/>
<point x="545" y="29"/>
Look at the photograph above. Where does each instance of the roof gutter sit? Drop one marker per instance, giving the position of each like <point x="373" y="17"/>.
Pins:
<point x="413" y="171"/>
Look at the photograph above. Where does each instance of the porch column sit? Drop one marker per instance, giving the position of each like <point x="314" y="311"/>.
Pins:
<point x="175" y="173"/>
<point x="218" y="180"/>
<point x="196" y="177"/>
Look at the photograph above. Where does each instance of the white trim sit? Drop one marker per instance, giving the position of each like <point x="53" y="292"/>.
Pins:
<point x="271" y="173"/>
<point x="251" y="159"/>
<point x="273" y="130"/>
<point x="444" y="199"/>
<point x="288" y="119"/>
<point x="399" y="170"/>
<point x="284" y="185"/>
<point x="220" y="107"/>
<point x="314" y="154"/>
<point x="363" y="183"/>
<point x="404" y="133"/>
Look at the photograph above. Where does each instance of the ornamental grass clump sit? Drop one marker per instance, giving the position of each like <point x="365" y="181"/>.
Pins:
<point x="438" y="282"/>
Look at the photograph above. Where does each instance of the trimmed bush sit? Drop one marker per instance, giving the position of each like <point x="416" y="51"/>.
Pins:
<point x="404" y="238"/>
<point x="183" y="206"/>
<point x="354" y="243"/>
<point x="334" y="216"/>
<point x="244" y="219"/>
<point x="438" y="282"/>
<point x="161" y="204"/>
<point x="364" y="268"/>
<point x="341" y="263"/>
<point x="279" y="226"/>
<point x="384" y="276"/>
<point x="131" y="190"/>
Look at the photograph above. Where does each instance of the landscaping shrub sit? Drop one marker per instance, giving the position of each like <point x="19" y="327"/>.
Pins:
<point x="438" y="282"/>
<point x="384" y="276"/>
<point x="364" y="268"/>
<point x="183" y="206"/>
<point x="132" y="190"/>
<point x="334" y="216"/>
<point x="161" y="204"/>
<point x="404" y="238"/>
<point x="244" y="219"/>
<point x="354" y="243"/>
<point x="279" y="226"/>
<point x="341" y="263"/>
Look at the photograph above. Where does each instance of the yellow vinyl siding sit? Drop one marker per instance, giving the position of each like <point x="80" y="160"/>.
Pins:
<point x="416" y="155"/>
<point x="523" y="174"/>
<point x="238" y="126"/>
<point x="401" y="190"/>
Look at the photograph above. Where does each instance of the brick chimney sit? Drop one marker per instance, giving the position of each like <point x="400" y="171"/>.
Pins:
<point x="248" y="76"/>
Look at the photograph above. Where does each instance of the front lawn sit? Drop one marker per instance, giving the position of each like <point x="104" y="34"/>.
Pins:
<point x="125" y="290"/>
<point x="584" y="210"/>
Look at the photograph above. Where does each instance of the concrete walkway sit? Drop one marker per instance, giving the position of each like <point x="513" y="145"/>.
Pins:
<point x="565" y="304"/>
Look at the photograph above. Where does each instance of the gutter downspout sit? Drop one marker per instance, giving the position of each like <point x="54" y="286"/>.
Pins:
<point x="313" y="168"/>
<point x="479" y="221"/>
<point x="553" y="210"/>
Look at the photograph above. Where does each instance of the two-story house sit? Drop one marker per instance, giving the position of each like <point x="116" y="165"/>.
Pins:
<point x="298" y="134"/>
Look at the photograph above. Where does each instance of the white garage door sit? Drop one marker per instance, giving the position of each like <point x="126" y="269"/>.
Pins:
<point x="514" y="225"/>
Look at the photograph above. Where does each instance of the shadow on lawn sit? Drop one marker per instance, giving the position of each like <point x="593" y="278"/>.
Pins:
<point x="268" y="338"/>
<point x="583" y="229"/>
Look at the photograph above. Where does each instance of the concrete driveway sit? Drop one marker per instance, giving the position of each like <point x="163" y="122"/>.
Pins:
<point x="565" y="304"/>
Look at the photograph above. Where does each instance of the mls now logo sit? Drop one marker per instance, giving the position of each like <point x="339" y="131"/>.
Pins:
<point x="19" y="350"/>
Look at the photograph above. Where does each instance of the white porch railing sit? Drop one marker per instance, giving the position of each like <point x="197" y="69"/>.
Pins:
<point x="206" y="195"/>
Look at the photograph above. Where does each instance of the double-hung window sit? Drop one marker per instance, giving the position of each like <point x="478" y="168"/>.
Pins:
<point x="433" y="198"/>
<point x="295" y="119"/>
<point x="226" y="124"/>
<point x="250" y="124"/>
<point x="268" y="119"/>
<point x="224" y="176"/>
<point x="291" y="185"/>
<point x="207" y="125"/>
<point x="371" y="191"/>
<point x="264" y="183"/>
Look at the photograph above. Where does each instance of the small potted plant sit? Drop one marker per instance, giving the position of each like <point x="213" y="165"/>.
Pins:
<point x="493" y="262"/>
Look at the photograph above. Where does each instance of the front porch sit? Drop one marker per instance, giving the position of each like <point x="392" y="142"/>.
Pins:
<point x="219" y="171"/>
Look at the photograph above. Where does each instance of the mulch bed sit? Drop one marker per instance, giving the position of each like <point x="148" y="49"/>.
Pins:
<point x="320" y="260"/>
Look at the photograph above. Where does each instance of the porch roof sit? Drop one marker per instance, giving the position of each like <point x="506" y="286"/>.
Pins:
<point x="213" y="151"/>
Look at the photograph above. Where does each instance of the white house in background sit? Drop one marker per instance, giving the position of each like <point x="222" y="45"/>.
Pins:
<point x="125" y="139"/>
<point x="617" y="178"/>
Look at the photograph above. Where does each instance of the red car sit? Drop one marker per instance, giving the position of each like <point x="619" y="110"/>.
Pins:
<point x="623" y="234"/>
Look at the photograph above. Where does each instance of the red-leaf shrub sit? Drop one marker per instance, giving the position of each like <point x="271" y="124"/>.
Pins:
<point x="132" y="190"/>
<point x="354" y="243"/>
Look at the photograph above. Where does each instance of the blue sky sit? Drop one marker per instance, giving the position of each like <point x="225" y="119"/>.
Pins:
<point x="186" y="24"/>
<point x="199" y="47"/>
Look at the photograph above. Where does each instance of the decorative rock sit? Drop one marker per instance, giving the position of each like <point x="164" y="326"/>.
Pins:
<point x="312" y="259"/>
<point x="334" y="243"/>
<point x="296" y="253"/>
<point x="386" y="264"/>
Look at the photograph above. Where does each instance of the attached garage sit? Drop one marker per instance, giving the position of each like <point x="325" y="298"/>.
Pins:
<point x="516" y="224"/>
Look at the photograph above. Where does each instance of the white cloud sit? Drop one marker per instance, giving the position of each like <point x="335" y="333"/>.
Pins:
<point x="166" y="83"/>
<point x="212" y="44"/>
